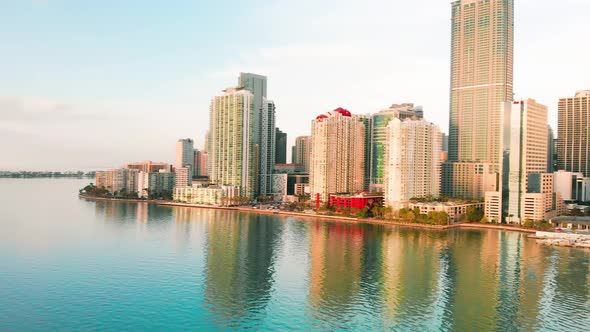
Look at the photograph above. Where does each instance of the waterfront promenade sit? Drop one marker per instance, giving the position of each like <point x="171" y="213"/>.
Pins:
<point x="352" y="220"/>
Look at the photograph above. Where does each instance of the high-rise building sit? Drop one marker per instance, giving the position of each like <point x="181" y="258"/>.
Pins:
<point x="264" y="135"/>
<point x="377" y="139"/>
<point x="482" y="36"/>
<point x="468" y="180"/>
<point x="182" y="177"/>
<point x="412" y="166"/>
<point x="337" y="154"/>
<point x="573" y="133"/>
<point x="302" y="151"/>
<point x="550" y="150"/>
<point x="232" y="157"/>
<point x="266" y="147"/>
<point x="201" y="157"/>
<point x="524" y="152"/>
<point x="281" y="147"/>
<point x="118" y="181"/>
<point x="185" y="155"/>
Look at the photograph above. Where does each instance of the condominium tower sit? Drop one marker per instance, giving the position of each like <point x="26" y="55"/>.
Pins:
<point x="337" y="154"/>
<point x="482" y="35"/>
<point x="232" y="150"/>
<point x="378" y="138"/>
<point x="185" y="155"/>
<point x="281" y="147"/>
<point x="524" y="151"/>
<point x="264" y="135"/>
<point x="573" y="133"/>
<point x="412" y="166"/>
<point x="302" y="151"/>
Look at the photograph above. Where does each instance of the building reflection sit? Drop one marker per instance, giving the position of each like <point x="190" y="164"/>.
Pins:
<point x="239" y="273"/>
<point x="336" y="252"/>
<point x="411" y="269"/>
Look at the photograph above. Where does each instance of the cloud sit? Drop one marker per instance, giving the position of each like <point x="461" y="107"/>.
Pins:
<point x="30" y="110"/>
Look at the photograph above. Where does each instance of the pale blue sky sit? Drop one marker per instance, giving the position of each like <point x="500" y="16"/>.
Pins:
<point x="93" y="84"/>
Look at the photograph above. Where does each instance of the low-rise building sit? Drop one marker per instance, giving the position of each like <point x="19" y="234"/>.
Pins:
<point x="453" y="209"/>
<point x="356" y="201"/>
<point x="493" y="206"/>
<point x="211" y="195"/>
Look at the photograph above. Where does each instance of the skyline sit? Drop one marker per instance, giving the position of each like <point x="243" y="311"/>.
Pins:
<point x="103" y="88"/>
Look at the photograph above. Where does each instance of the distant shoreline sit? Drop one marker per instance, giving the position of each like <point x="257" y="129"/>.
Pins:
<point x="348" y="220"/>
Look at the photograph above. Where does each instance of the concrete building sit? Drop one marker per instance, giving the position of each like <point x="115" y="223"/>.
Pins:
<point x="185" y="155"/>
<point x="264" y="135"/>
<point x="573" y="187"/>
<point x="337" y="154"/>
<point x="118" y="181"/>
<point x="149" y="166"/>
<point x="551" y="151"/>
<point x="281" y="147"/>
<point x="573" y="133"/>
<point x="267" y="147"/>
<point x="524" y="152"/>
<point x="377" y="139"/>
<point x="209" y="195"/>
<point x="482" y="37"/>
<point x="232" y="152"/>
<point x="455" y="211"/>
<point x="155" y="184"/>
<point x="412" y="166"/>
<point x="468" y="180"/>
<point x="182" y="177"/>
<point x="493" y="206"/>
<point x="356" y="201"/>
<point x="302" y="151"/>
<point x="201" y="161"/>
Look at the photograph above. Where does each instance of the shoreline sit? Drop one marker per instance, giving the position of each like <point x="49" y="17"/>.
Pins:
<point x="349" y="220"/>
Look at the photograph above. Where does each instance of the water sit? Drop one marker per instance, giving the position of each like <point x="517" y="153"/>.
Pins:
<point x="70" y="264"/>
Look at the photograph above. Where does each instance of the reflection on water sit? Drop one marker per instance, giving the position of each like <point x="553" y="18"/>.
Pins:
<point x="215" y="269"/>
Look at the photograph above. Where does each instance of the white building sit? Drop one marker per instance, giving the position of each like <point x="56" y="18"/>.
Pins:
<point x="211" y="195"/>
<point x="232" y="149"/>
<point x="454" y="210"/>
<point x="525" y="152"/>
<point x="337" y="154"/>
<point x="412" y="167"/>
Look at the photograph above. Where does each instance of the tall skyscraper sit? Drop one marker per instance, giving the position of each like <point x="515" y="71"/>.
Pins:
<point x="524" y="152"/>
<point x="337" y="154"/>
<point x="281" y="147"/>
<point x="185" y="155"/>
<point x="573" y="133"/>
<point x="264" y="135"/>
<point x="412" y="165"/>
<point x="482" y="34"/>
<point x="550" y="150"/>
<point x="378" y="129"/>
<point x="232" y="159"/>
<point x="302" y="151"/>
<point x="267" y="147"/>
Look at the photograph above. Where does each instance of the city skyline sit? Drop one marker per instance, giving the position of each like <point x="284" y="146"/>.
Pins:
<point x="70" y="109"/>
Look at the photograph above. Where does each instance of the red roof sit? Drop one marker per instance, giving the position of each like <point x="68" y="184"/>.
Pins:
<point x="321" y="117"/>
<point x="342" y="111"/>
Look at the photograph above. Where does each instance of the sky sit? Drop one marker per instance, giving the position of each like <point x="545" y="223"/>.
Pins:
<point x="94" y="84"/>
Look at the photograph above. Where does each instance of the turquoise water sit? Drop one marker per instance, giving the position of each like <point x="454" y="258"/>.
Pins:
<point x="70" y="264"/>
